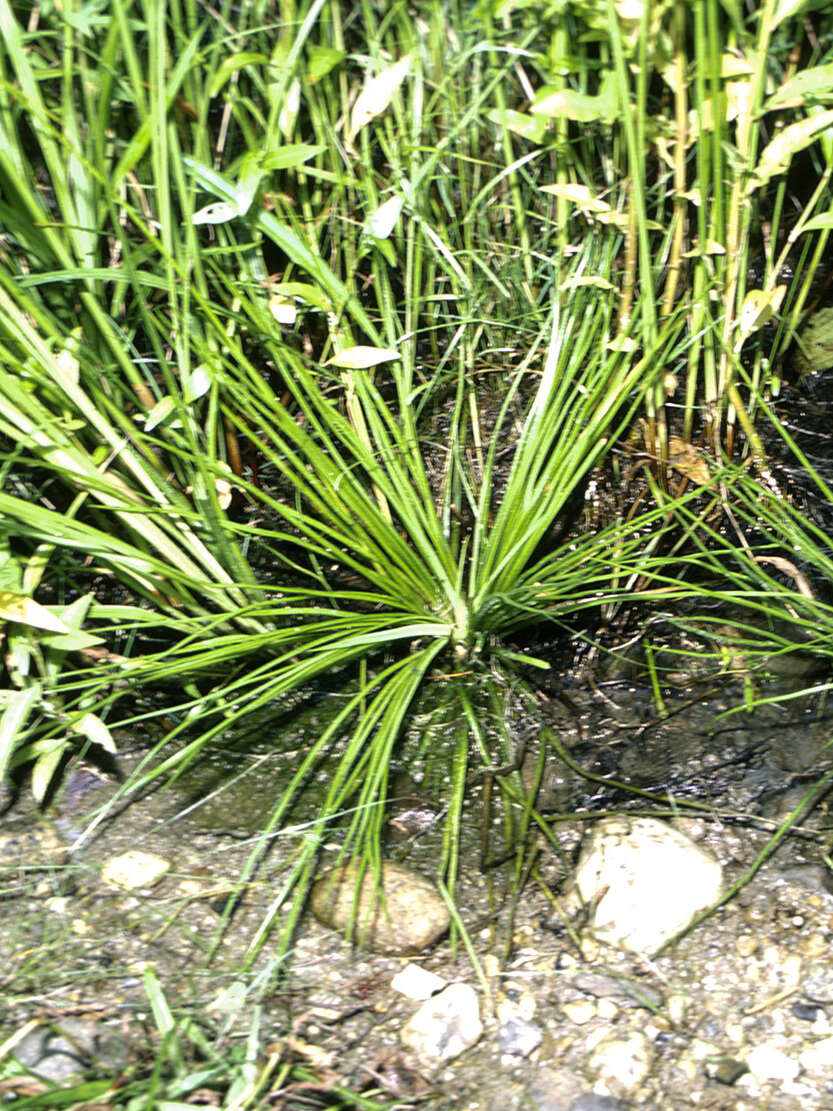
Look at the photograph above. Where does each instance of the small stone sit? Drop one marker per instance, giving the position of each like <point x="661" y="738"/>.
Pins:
<point x="134" y="869"/>
<point x="746" y="945"/>
<point x="553" y="1090"/>
<point x="417" y="983"/>
<point x="807" y="1012"/>
<point x="579" y="1011"/>
<point x="645" y="881"/>
<point x="606" y="1009"/>
<point x="817" y="985"/>
<point x="622" y="1062"/>
<point x="444" y="1026"/>
<point x="63" y="1051"/>
<point x="404" y="915"/>
<point x="519" y="1037"/>
<point x="818" y="1059"/>
<point x="677" y="1005"/>
<point x="768" y="1062"/>
<point x="814" y="946"/>
<point x="590" y="1101"/>
<point x="727" y="1070"/>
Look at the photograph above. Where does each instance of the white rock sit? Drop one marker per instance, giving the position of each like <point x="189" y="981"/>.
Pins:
<point x="622" y="1063"/>
<point x="444" y="1026"/>
<point x="646" y="882"/>
<point x="417" y="983"/>
<point x="768" y="1062"/>
<point x="134" y="869"/>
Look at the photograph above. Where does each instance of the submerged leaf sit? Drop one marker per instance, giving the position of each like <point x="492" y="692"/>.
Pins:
<point x="816" y="348"/>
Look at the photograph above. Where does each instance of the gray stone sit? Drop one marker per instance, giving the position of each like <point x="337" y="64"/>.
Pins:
<point x="444" y="1026"/>
<point x="645" y="882"/>
<point x="65" y="1051"/>
<point x="552" y="1090"/>
<point x="589" y="1101"/>
<point x="403" y="914"/>
<point x="519" y="1037"/>
<point x="817" y="985"/>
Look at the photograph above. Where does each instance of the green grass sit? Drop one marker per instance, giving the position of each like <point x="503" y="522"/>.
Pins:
<point x="428" y="273"/>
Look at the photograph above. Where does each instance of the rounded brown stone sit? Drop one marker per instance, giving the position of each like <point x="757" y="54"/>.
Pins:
<point x="401" y="913"/>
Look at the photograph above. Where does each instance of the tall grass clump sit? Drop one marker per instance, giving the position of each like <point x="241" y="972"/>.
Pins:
<point x="314" y="324"/>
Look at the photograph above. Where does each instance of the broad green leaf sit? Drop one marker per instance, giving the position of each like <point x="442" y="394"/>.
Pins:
<point x="220" y="212"/>
<point x="290" y="155"/>
<point x="578" y="194"/>
<point x="76" y="641"/>
<point x="759" y="307"/>
<point x="93" y="728"/>
<point x="567" y="103"/>
<point x="19" y="705"/>
<point x="283" y="309"/>
<point x="249" y="178"/>
<point x="784" y="9"/>
<point x="311" y="294"/>
<point x="377" y="94"/>
<point x="819" y="223"/>
<point x="287" y="240"/>
<point x="10" y="573"/>
<point x="159" y="413"/>
<point x="527" y="126"/>
<point x="197" y="384"/>
<point x="231" y="65"/>
<point x="26" y="611"/>
<point x="777" y="155"/>
<point x="383" y="220"/>
<point x="815" y="83"/>
<point x="360" y="358"/>
<point x="321" y="60"/>
<point x="595" y="208"/>
<point x="45" y="768"/>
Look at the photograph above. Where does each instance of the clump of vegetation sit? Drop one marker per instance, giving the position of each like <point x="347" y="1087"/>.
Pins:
<point x="315" y="323"/>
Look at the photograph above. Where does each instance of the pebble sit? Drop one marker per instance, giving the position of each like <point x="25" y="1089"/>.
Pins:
<point x="727" y="1070"/>
<point x="63" y="1051"/>
<point x="579" y="1011"/>
<point x="417" y="983"/>
<point x="817" y="985"/>
<point x="444" y="1026"/>
<point x="768" y="1062"/>
<point x="818" y="1059"/>
<point x="677" y="1005"/>
<point x="590" y="1101"/>
<point x="553" y="1089"/>
<point x="519" y="1038"/>
<point x="746" y="945"/>
<point x="134" y="869"/>
<point x="622" y="1062"/>
<point x="405" y="916"/>
<point x="645" y="880"/>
